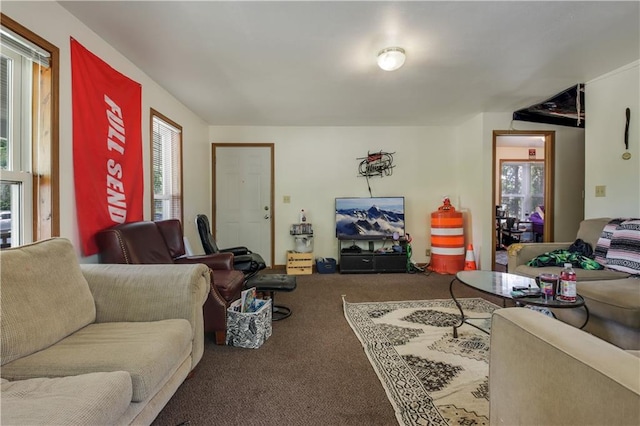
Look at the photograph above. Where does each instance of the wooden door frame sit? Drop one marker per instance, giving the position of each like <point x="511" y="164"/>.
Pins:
<point x="271" y="146"/>
<point x="549" y="167"/>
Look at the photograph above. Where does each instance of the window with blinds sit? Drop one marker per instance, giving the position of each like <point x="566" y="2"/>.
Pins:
<point x="166" y="158"/>
<point x="28" y="136"/>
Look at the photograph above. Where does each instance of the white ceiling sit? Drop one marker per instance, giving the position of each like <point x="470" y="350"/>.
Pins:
<point x="313" y="63"/>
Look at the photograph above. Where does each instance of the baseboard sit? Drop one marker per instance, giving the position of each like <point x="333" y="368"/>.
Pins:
<point x="278" y="267"/>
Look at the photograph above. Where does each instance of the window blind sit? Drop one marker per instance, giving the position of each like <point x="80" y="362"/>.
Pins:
<point x="167" y="169"/>
<point x="24" y="47"/>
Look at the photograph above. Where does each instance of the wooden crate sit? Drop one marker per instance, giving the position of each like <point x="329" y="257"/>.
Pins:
<point x="299" y="263"/>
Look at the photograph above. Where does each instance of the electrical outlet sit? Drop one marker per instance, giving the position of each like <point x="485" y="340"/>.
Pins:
<point x="286" y="199"/>
<point x="601" y="191"/>
<point x="427" y="252"/>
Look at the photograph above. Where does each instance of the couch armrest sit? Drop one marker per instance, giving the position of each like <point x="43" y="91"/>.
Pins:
<point x="213" y="261"/>
<point x="520" y="253"/>
<point x="133" y="293"/>
<point x="539" y="369"/>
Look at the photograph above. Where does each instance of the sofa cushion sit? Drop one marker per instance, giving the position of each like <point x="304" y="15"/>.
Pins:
<point x="624" y="250"/>
<point x="45" y="297"/>
<point x="544" y="372"/>
<point x="149" y="351"/>
<point x="87" y="399"/>
<point x="618" y="300"/>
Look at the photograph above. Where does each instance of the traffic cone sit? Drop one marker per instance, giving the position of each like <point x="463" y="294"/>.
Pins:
<point x="470" y="259"/>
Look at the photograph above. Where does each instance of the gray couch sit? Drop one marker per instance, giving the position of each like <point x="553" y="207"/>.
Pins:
<point x="613" y="297"/>
<point x="95" y="344"/>
<point x="544" y="372"/>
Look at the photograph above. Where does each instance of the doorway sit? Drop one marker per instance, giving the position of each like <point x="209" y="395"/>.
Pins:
<point x="243" y="188"/>
<point x="520" y="160"/>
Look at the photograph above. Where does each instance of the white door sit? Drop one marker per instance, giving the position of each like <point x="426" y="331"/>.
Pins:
<point x="242" y="206"/>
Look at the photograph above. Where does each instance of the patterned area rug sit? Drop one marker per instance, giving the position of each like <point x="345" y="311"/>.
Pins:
<point x="430" y="377"/>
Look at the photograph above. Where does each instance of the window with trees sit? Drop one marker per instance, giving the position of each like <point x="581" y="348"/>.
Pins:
<point x="166" y="160"/>
<point x="29" y="198"/>
<point x="522" y="187"/>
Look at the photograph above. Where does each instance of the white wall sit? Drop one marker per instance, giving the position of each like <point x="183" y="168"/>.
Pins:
<point x="606" y="99"/>
<point x="569" y="173"/>
<point x="56" y="25"/>
<point x="313" y="165"/>
<point x="316" y="164"/>
<point x="471" y="163"/>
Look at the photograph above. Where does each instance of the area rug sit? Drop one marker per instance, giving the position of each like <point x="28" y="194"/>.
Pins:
<point x="430" y="377"/>
<point x="502" y="257"/>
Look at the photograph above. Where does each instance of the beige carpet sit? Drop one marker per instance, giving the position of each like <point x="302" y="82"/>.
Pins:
<point x="430" y="377"/>
<point x="312" y="371"/>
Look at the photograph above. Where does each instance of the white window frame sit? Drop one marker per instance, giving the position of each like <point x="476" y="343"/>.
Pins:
<point x="525" y="193"/>
<point x="18" y="172"/>
<point x="37" y="177"/>
<point x="171" y="152"/>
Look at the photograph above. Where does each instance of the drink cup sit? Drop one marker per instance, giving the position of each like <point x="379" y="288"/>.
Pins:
<point x="548" y="284"/>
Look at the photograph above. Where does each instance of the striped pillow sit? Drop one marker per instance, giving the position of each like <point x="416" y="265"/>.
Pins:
<point x="624" y="250"/>
<point x="602" y="247"/>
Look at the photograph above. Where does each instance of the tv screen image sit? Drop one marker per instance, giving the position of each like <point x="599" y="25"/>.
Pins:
<point x="369" y="218"/>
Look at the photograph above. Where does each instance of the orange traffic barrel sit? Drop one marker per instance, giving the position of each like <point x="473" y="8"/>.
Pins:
<point x="447" y="240"/>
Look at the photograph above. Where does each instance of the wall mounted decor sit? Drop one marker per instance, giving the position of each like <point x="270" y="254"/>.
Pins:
<point x="376" y="164"/>
<point x="627" y="154"/>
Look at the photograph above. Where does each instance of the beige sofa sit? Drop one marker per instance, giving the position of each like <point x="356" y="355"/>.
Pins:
<point x="544" y="372"/>
<point x="589" y="231"/>
<point x="95" y="344"/>
<point x="612" y="297"/>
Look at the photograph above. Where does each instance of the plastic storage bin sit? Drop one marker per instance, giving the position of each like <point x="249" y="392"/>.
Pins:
<point x="325" y="265"/>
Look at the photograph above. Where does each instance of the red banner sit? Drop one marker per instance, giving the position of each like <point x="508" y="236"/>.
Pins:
<point x="107" y="146"/>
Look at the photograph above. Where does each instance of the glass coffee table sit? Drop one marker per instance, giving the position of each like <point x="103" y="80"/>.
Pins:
<point x="501" y="284"/>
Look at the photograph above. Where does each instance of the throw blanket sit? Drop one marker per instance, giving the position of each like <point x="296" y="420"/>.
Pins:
<point x="560" y="257"/>
<point x="619" y="245"/>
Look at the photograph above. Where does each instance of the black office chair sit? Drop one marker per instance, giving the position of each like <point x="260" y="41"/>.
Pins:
<point x="243" y="259"/>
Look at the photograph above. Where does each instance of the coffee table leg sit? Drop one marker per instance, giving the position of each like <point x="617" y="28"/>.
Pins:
<point x="455" y="327"/>
<point x="587" y="319"/>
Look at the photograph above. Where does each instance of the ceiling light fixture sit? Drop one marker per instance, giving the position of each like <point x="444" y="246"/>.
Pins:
<point x="391" y="58"/>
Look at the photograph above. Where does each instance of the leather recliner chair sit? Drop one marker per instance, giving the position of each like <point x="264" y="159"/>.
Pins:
<point x="243" y="259"/>
<point x="162" y="242"/>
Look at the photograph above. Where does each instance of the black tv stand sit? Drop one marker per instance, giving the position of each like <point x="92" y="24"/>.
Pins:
<point x="374" y="260"/>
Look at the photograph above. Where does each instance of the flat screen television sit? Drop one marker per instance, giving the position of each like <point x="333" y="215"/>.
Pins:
<point x="374" y="218"/>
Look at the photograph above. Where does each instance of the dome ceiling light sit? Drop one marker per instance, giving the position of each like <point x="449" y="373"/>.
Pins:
<point x="391" y="58"/>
